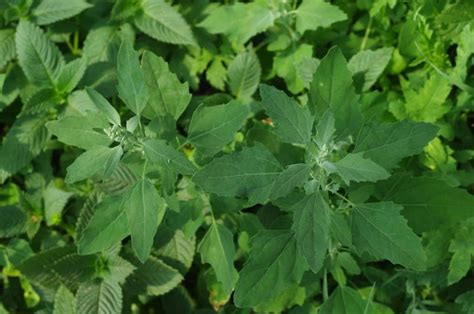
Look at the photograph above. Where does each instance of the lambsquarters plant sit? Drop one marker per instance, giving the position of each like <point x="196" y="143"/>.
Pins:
<point x="124" y="192"/>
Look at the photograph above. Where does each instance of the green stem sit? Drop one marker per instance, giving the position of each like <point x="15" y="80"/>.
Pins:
<point x="325" y="286"/>
<point x="366" y="35"/>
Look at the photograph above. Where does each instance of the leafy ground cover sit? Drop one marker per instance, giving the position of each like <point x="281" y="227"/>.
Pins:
<point x="236" y="156"/>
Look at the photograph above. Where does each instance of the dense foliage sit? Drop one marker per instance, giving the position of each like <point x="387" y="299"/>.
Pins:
<point x="236" y="156"/>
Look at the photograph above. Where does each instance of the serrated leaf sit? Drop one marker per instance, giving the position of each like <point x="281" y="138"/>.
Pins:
<point x="39" y="58"/>
<point x="354" y="167"/>
<point x="312" y="14"/>
<point x="427" y="200"/>
<point x="104" y="106"/>
<point x="244" y="75"/>
<point x="107" y="227"/>
<point x="7" y="46"/>
<point x="102" y="43"/>
<point x="81" y="131"/>
<point x="217" y="249"/>
<point x="380" y="230"/>
<point x="99" y="160"/>
<point x="12" y="222"/>
<point x="274" y="263"/>
<point x="101" y="296"/>
<point x="167" y="94"/>
<point x="71" y="74"/>
<point x="159" y="152"/>
<point x="293" y="123"/>
<point x="291" y="177"/>
<point x="179" y="251"/>
<point x="50" y="11"/>
<point x="161" y="21"/>
<point x="64" y="301"/>
<point x="145" y="210"/>
<point x="131" y="80"/>
<point x="332" y="88"/>
<point x="240" y="173"/>
<point x="387" y="144"/>
<point x="311" y="225"/>
<point x="239" y="21"/>
<point x="345" y="300"/>
<point x="54" y="201"/>
<point x="213" y="127"/>
<point x="287" y="65"/>
<point x="216" y="73"/>
<point x="367" y="65"/>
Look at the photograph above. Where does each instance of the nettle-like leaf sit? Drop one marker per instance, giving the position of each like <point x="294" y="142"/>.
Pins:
<point x="7" y="46"/>
<point x="244" y="75"/>
<point x="99" y="296"/>
<point x="50" y="11"/>
<point x="312" y="14"/>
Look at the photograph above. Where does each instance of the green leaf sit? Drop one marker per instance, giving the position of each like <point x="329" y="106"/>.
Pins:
<point x="159" y="152"/>
<point x="354" y="167"/>
<point x="427" y="200"/>
<point x="380" y="230"/>
<point x="102" y="43"/>
<point x="217" y="249"/>
<point x="367" y="65"/>
<point x="332" y="88"/>
<point x="104" y="106"/>
<point x="39" y="58"/>
<point x="244" y="75"/>
<point x="99" y="160"/>
<point x="154" y="277"/>
<point x="15" y="252"/>
<point x="64" y="302"/>
<point x="293" y="176"/>
<point x="13" y="221"/>
<point x="311" y="225"/>
<point x="312" y="14"/>
<point x="118" y="269"/>
<point x="131" y="80"/>
<point x="213" y="127"/>
<point x="101" y="296"/>
<point x="179" y="251"/>
<point x="71" y="74"/>
<point x="288" y="64"/>
<point x="81" y="131"/>
<point x="50" y="11"/>
<point x="107" y="227"/>
<point x="293" y="123"/>
<point x="167" y="94"/>
<point x="7" y="46"/>
<point x="387" y="144"/>
<point x="216" y="73"/>
<point x="240" y="173"/>
<point x="274" y="263"/>
<point x="161" y="21"/>
<point x="240" y="21"/>
<point x="54" y="201"/>
<point x="345" y="300"/>
<point x="145" y="210"/>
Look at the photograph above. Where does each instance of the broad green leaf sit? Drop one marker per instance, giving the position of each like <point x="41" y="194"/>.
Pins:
<point x="154" y="277"/>
<point x="39" y="58"/>
<point x="145" y="210"/>
<point x="71" y="74"/>
<point x="387" y="144"/>
<point x="466" y="300"/>
<point x="288" y="64"/>
<point x="427" y="104"/>
<point x="311" y="225"/>
<point x="244" y="75"/>
<point x="99" y="160"/>
<point x="100" y="296"/>
<point x="293" y="123"/>
<point x="312" y="14"/>
<point x="167" y="94"/>
<point x="325" y="130"/>
<point x="332" y="88"/>
<point x="240" y="173"/>
<point x="13" y="221"/>
<point x="293" y="176"/>
<point x="380" y="230"/>
<point x="104" y="106"/>
<point x="52" y="268"/>
<point x="54" y="201"/>
<point x="161" y="21"/>
<point x="239" y="21"/>
<point x="216" y="73"/>
<point x="217" y="249"/>
<point x="213" y="127"/>
<point x="102" y="43"/>
<point x="131" y="80"/>
<point x="159" y="152"/>
<point x="23" y="142"/>
<point x="15" y="252"/>
<point x="107" y="227"/>
<point x="427" y="200"/>
<point x="367" y="65"/>
<point x="81" y="131"/>
<point x="64" y="302"/>
<point x="345" y="300"/>
<point x="274" y="263"/>
<point x="179" y="251"/>
<point x="354" y="167"/>
<point x="459" y="266"/>
<point x="50" y="11"/>
<point x="7" y="46"/>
